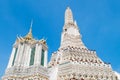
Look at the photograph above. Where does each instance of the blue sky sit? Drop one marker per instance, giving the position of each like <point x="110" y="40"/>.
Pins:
<point x="98" y="20"/>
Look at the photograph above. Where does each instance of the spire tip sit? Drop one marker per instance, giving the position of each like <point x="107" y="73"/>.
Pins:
<point x="68" y="15"/>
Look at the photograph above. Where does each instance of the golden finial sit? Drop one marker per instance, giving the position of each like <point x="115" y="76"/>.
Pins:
<point x="29" y="35"/>
<point x="31" y="26"/>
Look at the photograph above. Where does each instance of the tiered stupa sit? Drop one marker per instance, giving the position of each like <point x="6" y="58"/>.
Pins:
<point x="73" y="60"/>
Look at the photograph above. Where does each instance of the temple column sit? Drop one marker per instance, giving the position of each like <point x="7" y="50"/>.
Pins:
<point x="11" y="58"/>
<point x="26" y="55"/>
<point x="21" y="54"/>
<point x="45" y="58"/>
<point x="38" y="51"/>
<point x="29" y="54"/>
<point x="17" y="55"/>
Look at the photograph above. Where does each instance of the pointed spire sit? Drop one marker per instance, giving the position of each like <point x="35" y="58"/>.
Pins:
<point x="30" y="31"/>
<point x="29" y="35"/>
<point x="68" y="16"/>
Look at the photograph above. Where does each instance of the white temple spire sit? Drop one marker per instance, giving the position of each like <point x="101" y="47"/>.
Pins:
<point x="68" y="16"/>
<point x="71" y="35"/>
